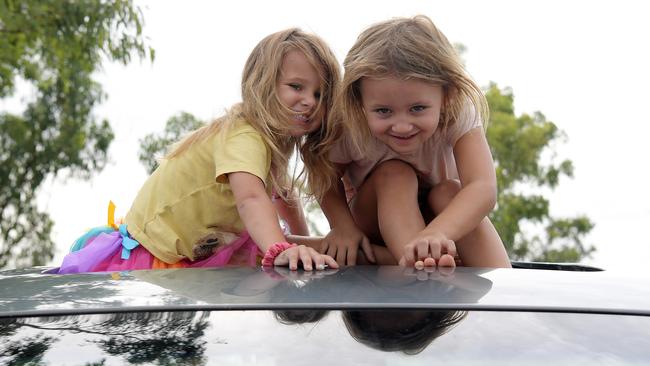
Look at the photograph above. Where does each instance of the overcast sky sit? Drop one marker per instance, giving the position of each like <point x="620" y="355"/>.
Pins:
<point x="584" y="64"/>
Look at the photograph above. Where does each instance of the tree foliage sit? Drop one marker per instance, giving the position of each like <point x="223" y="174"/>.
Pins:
<point x="54" y="47"/>
<point x="520" y="146"/>
<point x="154" y="146"/>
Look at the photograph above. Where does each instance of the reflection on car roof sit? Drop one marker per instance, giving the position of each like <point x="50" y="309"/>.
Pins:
<point x="30" y="292"/>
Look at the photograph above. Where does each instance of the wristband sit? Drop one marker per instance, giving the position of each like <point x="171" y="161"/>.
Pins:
<point x="273" y="251"/>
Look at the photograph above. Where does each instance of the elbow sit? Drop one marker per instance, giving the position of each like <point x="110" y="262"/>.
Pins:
<point x="247" y="201"/>
<point x="490" y="195"/>
<point x="486" y="194"/>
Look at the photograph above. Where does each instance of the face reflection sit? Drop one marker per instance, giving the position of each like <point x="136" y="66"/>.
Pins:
<point x="298" y="89"/>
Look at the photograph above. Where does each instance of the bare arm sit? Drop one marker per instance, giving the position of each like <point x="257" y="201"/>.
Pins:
<point x="477" y="196"/>
<point x="261" y="220"/>
<point x="334" y="203"/>
<point x="256" y="209"/>
<point x="344" y="238"/>
<point x="292" y="213"/>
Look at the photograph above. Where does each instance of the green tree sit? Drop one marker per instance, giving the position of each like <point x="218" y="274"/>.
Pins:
<point x="54" y="47"/>
<point x="154" y="146"/>
<point x="519" y="146"/>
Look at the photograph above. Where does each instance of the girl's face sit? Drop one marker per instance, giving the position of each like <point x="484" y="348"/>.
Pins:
<point x="403" y="114"/>
<point x="298" y="89"/>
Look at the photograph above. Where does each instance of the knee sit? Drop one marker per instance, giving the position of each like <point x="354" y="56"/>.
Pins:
<point x="442" y="193"/>
<point x="394" y="171"/>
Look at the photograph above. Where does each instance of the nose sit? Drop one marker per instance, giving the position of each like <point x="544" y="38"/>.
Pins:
<point x="308" y="100"/>
<point x="402" y="127"/>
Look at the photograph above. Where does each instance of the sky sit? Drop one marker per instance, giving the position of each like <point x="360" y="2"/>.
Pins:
<point x="583" y="64"/>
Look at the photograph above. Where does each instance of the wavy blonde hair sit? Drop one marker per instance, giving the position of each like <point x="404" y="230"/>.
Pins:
<point x="406" y="48"/>
<point x="264" y="111"/>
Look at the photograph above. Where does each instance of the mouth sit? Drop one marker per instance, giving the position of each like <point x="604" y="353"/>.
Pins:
<point x="403" y="137"/>
<point x="302" y="118"/>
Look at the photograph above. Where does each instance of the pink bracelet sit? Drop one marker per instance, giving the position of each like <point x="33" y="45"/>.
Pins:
<point x="274" y="251"/>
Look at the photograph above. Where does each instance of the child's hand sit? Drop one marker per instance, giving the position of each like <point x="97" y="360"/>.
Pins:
<point x="429" y="250"/>
<point x="343" y="244"/>
<point x="306" y="256"/>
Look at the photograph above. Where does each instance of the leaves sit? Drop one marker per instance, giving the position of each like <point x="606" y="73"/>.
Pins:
<point x="54" y="46"/>
<point x="155" y="146"/>
<point x="520" y="146"/>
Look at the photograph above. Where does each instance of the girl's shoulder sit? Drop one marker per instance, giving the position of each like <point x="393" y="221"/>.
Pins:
<point x="344" y="150"/>
<point x="238" y="126"/>
<point x="468" y="119"/>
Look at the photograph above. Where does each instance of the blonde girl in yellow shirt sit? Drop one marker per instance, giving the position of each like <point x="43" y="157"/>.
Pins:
<point x="212" y="201"/>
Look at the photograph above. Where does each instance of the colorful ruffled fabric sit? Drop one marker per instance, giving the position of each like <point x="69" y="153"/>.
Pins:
<point x="110" y="248"/>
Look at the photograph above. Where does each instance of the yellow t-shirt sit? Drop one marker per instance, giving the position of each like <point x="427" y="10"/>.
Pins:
<point x="188" y="198"/>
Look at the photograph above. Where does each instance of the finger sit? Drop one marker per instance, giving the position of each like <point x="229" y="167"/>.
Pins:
<point x="422" y="249"/>
<point x="330" y="261"/>
<point x="446" y="260"/>
<point x="434" y="249"/>
<point x="429" y="262"/>
<point x="408" y="259"/>
<point x="367" y="250"/>
<point x="352" y="256"/>
<point x="331" y="250"/>
<point x="340" y="255"/>
<point x="305" y="257"/>
<point x="289" y="256"/>
<point x="319" y="261"/>
<point x="419" y="265"/>
<point x="450" y="247"/>
<point x="323" y="247"/>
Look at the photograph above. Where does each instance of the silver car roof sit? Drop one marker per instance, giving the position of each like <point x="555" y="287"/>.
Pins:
<point x="30" y="292"/>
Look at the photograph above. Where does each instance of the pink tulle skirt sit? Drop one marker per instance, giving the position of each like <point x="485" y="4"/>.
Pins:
<point x="105" y="253"/>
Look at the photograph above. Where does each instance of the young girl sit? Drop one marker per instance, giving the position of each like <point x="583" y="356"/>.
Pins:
<point x="417" y="170"/>
<point x="209" y="202"/>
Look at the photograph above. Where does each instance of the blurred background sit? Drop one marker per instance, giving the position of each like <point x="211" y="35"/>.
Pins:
<point x="91" y="91"/>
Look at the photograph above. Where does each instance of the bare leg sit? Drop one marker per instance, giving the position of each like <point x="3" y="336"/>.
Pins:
<point x="482" y="247"/>
<point x="386" y="206"/>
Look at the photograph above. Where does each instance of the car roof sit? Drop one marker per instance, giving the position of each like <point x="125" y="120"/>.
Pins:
<point x="31" y="292"/>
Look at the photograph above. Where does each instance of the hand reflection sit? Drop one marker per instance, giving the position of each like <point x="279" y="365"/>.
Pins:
<point x="429" y="273"/>
<point x="286" y="273"/>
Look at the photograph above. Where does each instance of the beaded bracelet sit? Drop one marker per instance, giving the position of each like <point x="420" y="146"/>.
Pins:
<point x="273" y="251"/>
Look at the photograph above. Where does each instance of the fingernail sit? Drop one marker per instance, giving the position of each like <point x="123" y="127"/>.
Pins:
<point x="320" y="267"/>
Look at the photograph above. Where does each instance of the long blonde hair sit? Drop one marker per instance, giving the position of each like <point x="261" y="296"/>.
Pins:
<point x="262" y="109"/>
<point x="406" y="48"/>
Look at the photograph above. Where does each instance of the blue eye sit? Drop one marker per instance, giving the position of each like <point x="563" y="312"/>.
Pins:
<point x="382" y="111"/>
<point x="418" y="108"/>
<point x="295" y="86"/>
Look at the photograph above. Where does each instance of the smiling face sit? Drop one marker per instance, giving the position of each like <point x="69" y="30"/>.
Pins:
<point x="403" y="114"/>
<point x="298" y="88"/>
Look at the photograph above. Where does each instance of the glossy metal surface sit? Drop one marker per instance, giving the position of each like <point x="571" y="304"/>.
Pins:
<point x="387" y="338"/>
<point x="32" y="293"/>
